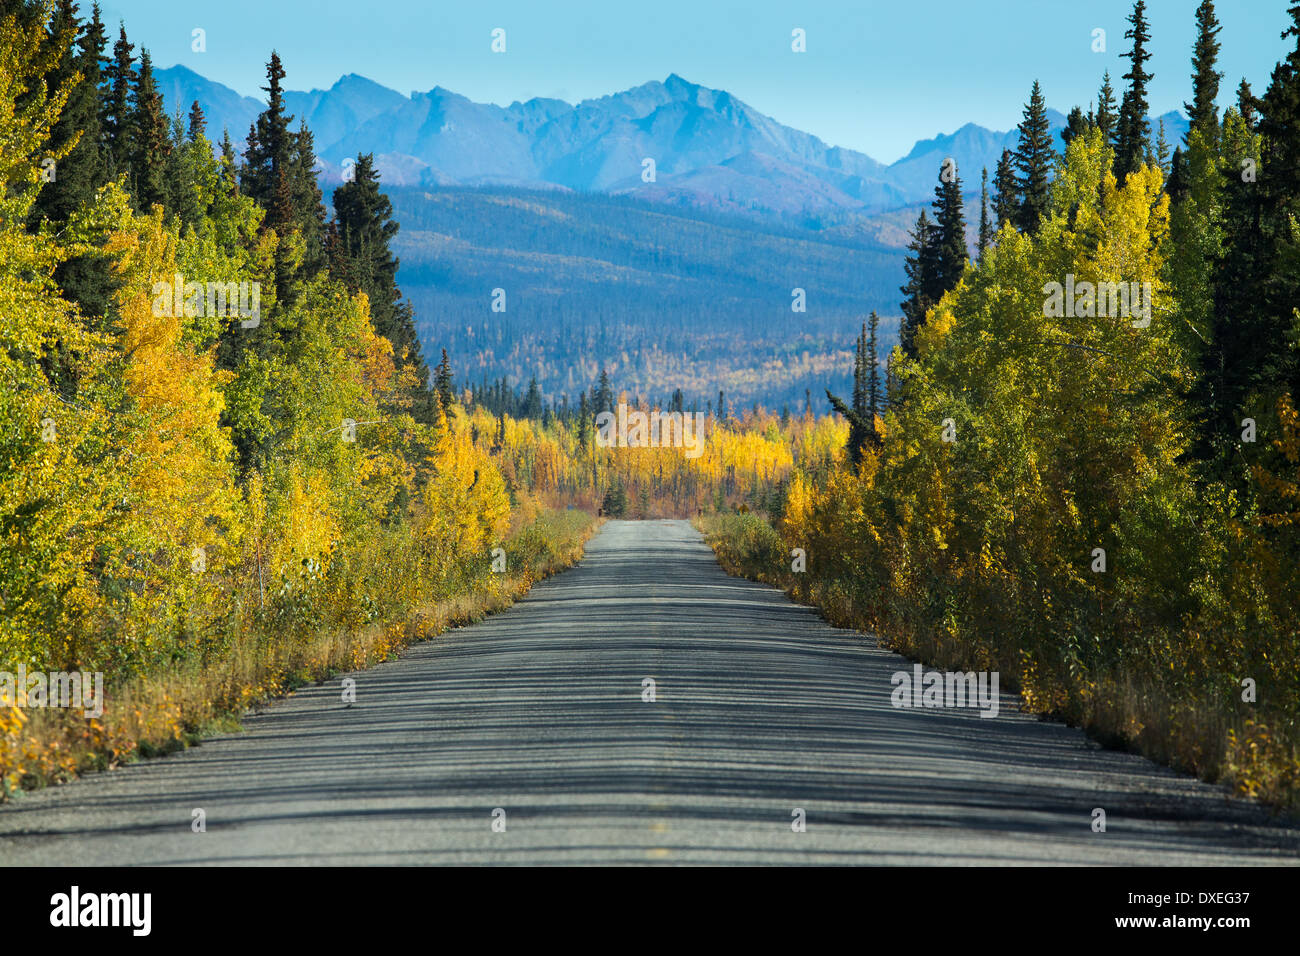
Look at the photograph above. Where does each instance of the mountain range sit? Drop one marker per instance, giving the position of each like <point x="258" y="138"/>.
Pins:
<point x="683" y="282"/>
<point x="710" y="149"/>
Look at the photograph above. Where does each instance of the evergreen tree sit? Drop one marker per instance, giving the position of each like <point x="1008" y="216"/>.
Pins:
<point x="360" y="256"/>
<point x="1227" y="356"/>
<point x="951" y="222"/>
<point x="875" y="407"/>
<point x="891" y="376"/>
<point x="268" y="150"/>
<point x="921" y="290"/>
<point x="1275" y="361"/>
<point x="150" y="139"/>
<point x="1006" y="191"/>
<point x="1106" y="119"/>
<point x="603" y="399"/>
<point x="614" y="503"/>
<point x="1033" y="160"/>
<point x="861" y="415"/>
<point x="1247" y="105"/>
<point x="986" y="225"/>
<point x="443" y="387"/>
<point x="1162" y="149"/>
<point x="859" y="373"/>
<point x="533" y="401"/>
<point x="116" y="115"/>
<point x="1134" y="131"/>
<point x="1076" y="124"/>
<point x="1250" y="359"/>
<point x="860" y="431"/>
<point x="1202" y="111"/>
<point x="272" y="174"/>
<point x="229" y="173"/>
<point x="585" y="420"/>
<point x="197" y="124"/>
<point x="75" y="53"/>
<point x="305" y="199"/>
<point x="81" y="172"/>
<point x="1177" y="185"/>
<point x="187" y="164"/>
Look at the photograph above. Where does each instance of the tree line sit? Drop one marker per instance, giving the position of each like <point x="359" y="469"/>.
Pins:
<point x="1103" y="505"/>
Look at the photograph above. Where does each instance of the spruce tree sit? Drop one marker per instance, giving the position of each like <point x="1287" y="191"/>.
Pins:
<point x="861" y="415"/>
<point x="986" y="225"/>
<point x="150" y="139"/>
<point x="533" y="400"/>
<point x="1247" y="105"/>
<point x="360" y="256"/>
<point x="1134" y="133"/>
<point x="443" y="387"/>
<point x="951" y="221"/>
<point x="603" y="397"/>
<point x="859" y="373"/>
<point x="1250" y="359"/>
<point x="859" y="429"/>
<point x="268" y="151"/>
<point x="116" y="116"/>
<point x="1006" y="192"/>
<point x="1202" y="111"/>
<point x="922" y="269"/>
<point x="585" y="421"/>
<point x="1076" y="124"/>
<point x="197" y="123"/>
<point x="308" y="211"/>
<point x="1106" y="119"/>
<point x="1162" y="149"/>
<point x="1276" y="361"/>
<point x="229" y="168"/>
<point x="190" y="167"/>
<point x="267" y="175"/>
<point x="1033" y="160"/>
<point x="875" y="407"/>
<point x="81" y="172"/>
<point x="1177" y="184"/>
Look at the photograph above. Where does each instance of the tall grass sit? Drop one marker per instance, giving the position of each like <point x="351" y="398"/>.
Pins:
<point x="373" y="602"/>
<point x="1254" y="748"/>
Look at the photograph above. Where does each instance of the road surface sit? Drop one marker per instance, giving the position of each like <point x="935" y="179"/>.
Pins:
<point x="761" y="709"/>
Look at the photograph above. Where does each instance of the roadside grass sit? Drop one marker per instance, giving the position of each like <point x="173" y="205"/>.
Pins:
<point x="167" y="711"/>
<point x="1253" y="754"/>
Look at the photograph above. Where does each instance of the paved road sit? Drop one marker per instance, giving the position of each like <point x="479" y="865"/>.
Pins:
<point x="760" y="708"/>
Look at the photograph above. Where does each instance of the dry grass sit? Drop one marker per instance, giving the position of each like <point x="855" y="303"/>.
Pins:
<point x="1255" y="755"/>
<point x="167" y="711"/>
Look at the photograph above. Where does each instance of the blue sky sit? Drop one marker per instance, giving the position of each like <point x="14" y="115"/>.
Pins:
<point x="877" y="75"/>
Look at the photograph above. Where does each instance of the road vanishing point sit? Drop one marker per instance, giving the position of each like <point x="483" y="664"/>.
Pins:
<point x="526" y="738"/>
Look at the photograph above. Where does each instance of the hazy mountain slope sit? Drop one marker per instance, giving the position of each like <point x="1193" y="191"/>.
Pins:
<point x="663" y="297"/>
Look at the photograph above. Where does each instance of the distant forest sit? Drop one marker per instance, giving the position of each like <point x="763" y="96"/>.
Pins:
<point x="660" y="298"/>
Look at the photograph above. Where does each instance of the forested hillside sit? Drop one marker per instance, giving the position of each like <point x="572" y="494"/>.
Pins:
<point x="662" y="299"/>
